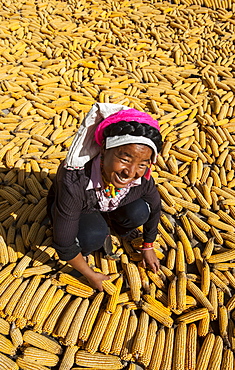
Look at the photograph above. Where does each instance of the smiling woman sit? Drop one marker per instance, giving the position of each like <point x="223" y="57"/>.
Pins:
<point x="104" y="183"/>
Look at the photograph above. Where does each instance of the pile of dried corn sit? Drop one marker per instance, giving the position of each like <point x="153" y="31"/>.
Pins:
<point x="175" y="61"/>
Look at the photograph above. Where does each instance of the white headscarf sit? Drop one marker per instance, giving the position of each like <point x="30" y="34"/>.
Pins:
<point x="84" y="147"/>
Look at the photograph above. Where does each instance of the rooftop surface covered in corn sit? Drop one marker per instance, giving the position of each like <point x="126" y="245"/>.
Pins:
<point x="175" y="61"/>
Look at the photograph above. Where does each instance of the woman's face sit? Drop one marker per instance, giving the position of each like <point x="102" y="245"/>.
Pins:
<point x="125" y="163"/>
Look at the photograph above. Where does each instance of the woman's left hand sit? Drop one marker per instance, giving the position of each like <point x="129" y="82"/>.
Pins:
<point x="150" y="259"/>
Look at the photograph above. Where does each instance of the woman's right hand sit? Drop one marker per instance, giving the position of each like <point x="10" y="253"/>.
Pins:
<point x="95" y="280"/>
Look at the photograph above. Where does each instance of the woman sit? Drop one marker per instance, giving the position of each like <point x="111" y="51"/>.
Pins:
<point x="105" y="182"/>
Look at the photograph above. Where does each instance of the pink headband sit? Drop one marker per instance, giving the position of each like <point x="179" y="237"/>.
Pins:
<point x="124" y="115"/>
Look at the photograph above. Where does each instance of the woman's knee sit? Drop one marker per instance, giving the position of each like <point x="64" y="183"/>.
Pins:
<point x="133" y="214"/>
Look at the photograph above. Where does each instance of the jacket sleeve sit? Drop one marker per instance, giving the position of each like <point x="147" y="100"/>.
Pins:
<point x="65" y="213"/>
<point x="152" y="197"/>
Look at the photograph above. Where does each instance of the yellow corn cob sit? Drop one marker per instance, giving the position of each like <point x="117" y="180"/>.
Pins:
<point x="33" y="232"/>
<point x="200" y="198"/>
<point x="158" y="349"/>
<point x="222" y="257"/>
<point x="166" y="222"/>
<point x="157" y="314"/>
<point x="205" y="352"/>
<point x="180" y="260"/>
<point x="149" y="344"/>
<point x="62" y="326"/>
<point x="68" y="279"/>
<point x="6" y="283"/>
<point x="213" y="298"/>
<point x="68" y="358"/>
<point x="230" y="277"/>
<point x="222" y="192"/>
<point x="208" y="250"/>
<point x="98" y="332"/>
<point x="124" y="297"/>
<point x="120" y="332"/>
<point x="223" y="323"/>
<point x="165" y="235"/>
<point x="156" y="279"/>
<point x="7" y="364"/>
<point x="140" y="335"/>
<point x="201" y="224"/>
<point x="163" y="273"/>
<point x="25" y="299"/>
<point x="41" y="357"/>
<point x="167" y="356"/>
<point x="6" y="271"/>
<point x="23" y="218"/>
<point x="36" y="299"/>
<point x="199" y="295"/>
<point x="12" y="252"/>
<point x="219" y="283"/>
<point x="199" y="234"/>
<point x="216" y="355"/>
<point x="224" y="266"/>
<point x="179" y="347"/>
<point x="4" y="257"/>
<point x="112" y="266"/>
<point x="97" y="360"/>
<point x="217" y="235"/>
<point x="226" y="218"/>
<point x="90" y="317"/>
<point x="13" y="301"/>
<point x="186" y="204"/>
<point x="228" y="360"/>
<point x="56" y="298"/>
<point x="110" y="331"/>
<point x="172" y="298"/>
<point x="171" y="258"/>
<point x="165" y="195"/>
<point x="191" y="347"/>
<point x="188" y="251"/>
<point x="126" y="351"/>
<point x="193" y="172"/>
<point x="205" y="278"/>
<point x="113" y="299"/>
<point x="186" y="225"/>
<point x="4" y="327"/>
<point x="181" y="291"/>
<point x="51" y="320"/>
<point x="6" y="346"/>
<point x="220" y="296"/>
<point x="204" y="325"/>
<point x="40" y="270"/>
<point x="143" y="276"/>
<point x="72" y="334"/>
<point x="134" y="281"/>
<point x="228" y="236"/>
<point x="16" y="336"/>
<point x="172" y="165"/>
<point x="221" y="276"/>
<point x="22" y="265"/>
<point x="42" y="308"/>
<point x="194" y="315"/>
<point x="152" y="301"/>
<point x="9" y="291"/>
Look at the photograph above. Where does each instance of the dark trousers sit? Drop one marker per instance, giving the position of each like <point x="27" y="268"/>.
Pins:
<point x="94" y="226"/>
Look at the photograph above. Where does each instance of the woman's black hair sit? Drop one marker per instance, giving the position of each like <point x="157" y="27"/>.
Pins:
<point x="136" y="129"/>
